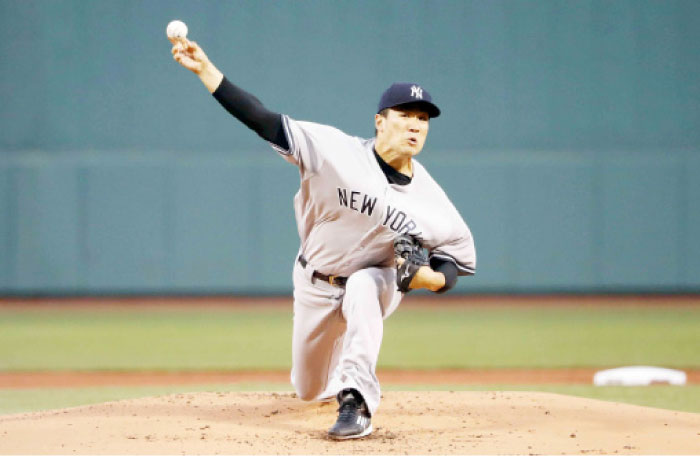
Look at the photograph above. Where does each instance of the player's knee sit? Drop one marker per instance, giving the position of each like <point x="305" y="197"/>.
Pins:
<point x="361" y="296"/>
<point x="307" y="390"/>
<point x="361" y="280"/>
<point x="305" y="394"/>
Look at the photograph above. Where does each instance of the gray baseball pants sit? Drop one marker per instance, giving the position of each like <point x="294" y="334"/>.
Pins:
<point x="338" y="332"/>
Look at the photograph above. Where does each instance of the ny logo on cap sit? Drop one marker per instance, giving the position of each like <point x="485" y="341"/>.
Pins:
<point x="416" y="92"/>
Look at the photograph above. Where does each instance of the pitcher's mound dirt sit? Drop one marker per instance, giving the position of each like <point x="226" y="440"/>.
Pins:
<point x="443" y="423"/>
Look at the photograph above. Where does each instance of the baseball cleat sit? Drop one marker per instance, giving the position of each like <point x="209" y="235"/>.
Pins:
<point x="353" y="417"/>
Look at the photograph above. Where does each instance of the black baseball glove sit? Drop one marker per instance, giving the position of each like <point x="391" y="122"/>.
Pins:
<point x="410" y="250"/>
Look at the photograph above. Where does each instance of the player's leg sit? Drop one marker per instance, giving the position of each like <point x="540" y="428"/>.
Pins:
<point x="370" y="296"/>
<point x="317" y="335"/>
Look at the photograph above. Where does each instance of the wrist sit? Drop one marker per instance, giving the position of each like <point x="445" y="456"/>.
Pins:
<point x="210" y="76"/>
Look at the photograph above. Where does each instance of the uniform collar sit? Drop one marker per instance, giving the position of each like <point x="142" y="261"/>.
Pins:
<point x="393" y="176"/>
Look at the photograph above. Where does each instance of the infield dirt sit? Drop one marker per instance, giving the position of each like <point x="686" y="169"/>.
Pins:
<point x="445" y="423"/>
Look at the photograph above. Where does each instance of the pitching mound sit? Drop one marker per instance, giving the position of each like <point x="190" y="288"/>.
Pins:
<point x="407" y="423"/>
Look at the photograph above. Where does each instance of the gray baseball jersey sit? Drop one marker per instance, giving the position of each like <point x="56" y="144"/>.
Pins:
<point x="348" y="214"/>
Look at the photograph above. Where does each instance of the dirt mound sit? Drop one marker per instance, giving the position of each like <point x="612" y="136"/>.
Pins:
<point x="446" y="423"/>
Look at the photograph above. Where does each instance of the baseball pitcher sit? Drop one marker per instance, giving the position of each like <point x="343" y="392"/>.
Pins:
<point x="373" y="225"/>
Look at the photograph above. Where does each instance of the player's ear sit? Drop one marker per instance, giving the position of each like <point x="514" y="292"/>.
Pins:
<point x="378" y="122"/>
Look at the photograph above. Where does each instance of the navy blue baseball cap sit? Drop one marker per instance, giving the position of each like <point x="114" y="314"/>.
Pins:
<point x="405" y="93"/>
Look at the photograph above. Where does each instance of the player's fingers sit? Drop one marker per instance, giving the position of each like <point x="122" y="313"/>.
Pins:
<point x="177" y="47"/>
<point x="186" y="55"/>
<point x="181" y="55"/>
<point x="186" y="62"/>
<point x="181" y="58"/>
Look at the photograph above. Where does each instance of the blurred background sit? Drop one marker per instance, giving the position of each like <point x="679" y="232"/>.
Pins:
<point x="570" y="139"/>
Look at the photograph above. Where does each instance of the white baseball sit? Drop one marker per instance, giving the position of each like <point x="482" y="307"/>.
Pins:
<point x="176" y="29"/>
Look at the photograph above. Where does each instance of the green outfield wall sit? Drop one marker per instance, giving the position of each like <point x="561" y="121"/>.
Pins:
<point x="569" y="141"/>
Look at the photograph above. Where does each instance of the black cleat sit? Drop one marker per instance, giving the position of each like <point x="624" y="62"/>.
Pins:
<point x="353" y="417"/>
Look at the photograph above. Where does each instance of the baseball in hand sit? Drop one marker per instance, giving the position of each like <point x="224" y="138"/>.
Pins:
<point x="176" y="29"/>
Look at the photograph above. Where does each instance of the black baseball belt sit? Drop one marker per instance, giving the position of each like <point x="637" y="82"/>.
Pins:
<point x="332" y="279"/>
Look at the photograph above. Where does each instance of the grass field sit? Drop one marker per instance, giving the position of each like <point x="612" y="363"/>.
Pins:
<point x="231" y="339"/>
<point x="186" y="339"/>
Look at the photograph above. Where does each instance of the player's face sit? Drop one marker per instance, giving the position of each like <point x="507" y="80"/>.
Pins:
<point x="403" y="130"/>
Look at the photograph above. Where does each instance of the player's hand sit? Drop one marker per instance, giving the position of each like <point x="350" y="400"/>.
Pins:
<point x="188" y="54"/>
<point x="424" y="278"/>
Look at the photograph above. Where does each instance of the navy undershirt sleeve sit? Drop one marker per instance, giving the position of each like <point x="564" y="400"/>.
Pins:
<point x="447" y="268"/>
<point x="250" y="111"/>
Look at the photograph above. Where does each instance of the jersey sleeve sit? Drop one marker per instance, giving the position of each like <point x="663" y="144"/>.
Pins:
<point x="459" y="249"/>
<point x="306" y="143"/>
